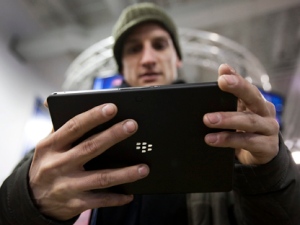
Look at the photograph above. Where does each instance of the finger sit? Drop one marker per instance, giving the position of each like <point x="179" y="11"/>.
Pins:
<point x="231" y="82"/>
<point x="271" y="108"/>
<point x="100" y="200"/>
<point x="82" y="123"/>
<point x="86" y="200"/>
<point x="98" y="143"/>
<point x="233" y="139"/>
<point x="241" y="107"/>
<point x="243" y="121"/>
<point x="92" y="200"/>
<point x="260" y="151"/>
<point x="102" y="179"/>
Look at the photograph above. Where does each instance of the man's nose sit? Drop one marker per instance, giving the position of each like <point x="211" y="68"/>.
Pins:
<point x="148" y="56"/>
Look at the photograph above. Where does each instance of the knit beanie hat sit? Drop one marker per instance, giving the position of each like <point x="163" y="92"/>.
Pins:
<point x="135" y="15"/>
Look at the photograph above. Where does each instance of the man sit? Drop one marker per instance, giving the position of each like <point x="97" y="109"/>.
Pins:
<point x="51" y="187"/>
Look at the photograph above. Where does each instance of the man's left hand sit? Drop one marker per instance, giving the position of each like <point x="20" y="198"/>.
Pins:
<point x="256" y="138"/>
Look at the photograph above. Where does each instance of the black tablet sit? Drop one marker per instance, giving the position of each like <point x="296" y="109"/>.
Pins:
<point x="170" y="138"/>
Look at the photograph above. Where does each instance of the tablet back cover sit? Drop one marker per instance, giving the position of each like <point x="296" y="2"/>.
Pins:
<point x="170" y="138"/>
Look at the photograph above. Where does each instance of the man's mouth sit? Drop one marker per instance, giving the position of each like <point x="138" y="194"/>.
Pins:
<point x="149" y="76"/>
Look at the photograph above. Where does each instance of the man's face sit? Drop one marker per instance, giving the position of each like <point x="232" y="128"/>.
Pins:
<point x="149" y="56"/>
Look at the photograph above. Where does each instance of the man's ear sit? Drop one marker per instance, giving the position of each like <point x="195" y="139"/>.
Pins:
<point x="46" y="103"/>
<point x="179" y="63"/>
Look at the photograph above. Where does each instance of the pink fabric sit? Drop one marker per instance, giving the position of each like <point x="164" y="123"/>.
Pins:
<point x="84" y="218"/>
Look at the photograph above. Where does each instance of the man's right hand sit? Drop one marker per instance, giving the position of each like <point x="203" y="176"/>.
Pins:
<point x="60" y="186"/>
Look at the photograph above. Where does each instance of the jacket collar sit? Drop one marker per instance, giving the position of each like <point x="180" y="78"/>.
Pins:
<point x="124" y="84"/>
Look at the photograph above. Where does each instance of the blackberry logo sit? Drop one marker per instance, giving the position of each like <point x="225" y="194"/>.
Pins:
<point x="144" y="146"/>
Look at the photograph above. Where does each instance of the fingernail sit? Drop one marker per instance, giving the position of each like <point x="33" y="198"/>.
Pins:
<point x="230" y="79"/>
<point x="143" y="171"/>
<point x="213" y="117"/>
<point x="211" y="138"/>
<point x="129" y="197"/>
<point x="108" y="110"/>
<point x="231" y="69"/>
<point x="129" y="126"/>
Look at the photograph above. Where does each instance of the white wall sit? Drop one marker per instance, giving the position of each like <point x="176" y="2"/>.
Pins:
<point x="19" y="85"/>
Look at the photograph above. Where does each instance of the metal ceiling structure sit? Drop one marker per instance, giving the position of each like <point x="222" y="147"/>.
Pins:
<point x="50" y="34"/>
<point x="74" y="25"/>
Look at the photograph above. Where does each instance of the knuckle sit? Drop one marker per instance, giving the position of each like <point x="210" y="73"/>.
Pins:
<point x="252" y="119"/>
<point x="94" y="114"/>
<point x="121" y="201"/>
<point x="48" y="142"/>
<point x="52" y="167"/>
<point x="247" y="139"/>
<point x="89" y="146"/>
<point x="73" y="125"/>
<point x="40" y="146"/>
<point x="46" y="168"/>
<point x="61" y="188"/>
<point x="225" y="137"/>
<point x="270" y="105"/>
<point x="104" y="180"/>
<point x="77" y="205"/>
<point x="131" y="175"/>
<point x="115" y="133"/>
<point x="274" y="126"/>
<point x="106" y="200"/>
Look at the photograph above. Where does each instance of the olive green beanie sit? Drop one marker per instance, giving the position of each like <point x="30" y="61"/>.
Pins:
<point x="135" y="15"/>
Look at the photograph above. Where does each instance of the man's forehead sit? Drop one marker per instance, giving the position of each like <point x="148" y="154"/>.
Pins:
<point x="145" y="29"/>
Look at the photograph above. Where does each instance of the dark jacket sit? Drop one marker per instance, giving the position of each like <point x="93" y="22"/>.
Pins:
<point x="263" y="195"/>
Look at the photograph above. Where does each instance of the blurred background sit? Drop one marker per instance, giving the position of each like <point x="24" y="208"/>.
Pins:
<point x="54" y="45"/>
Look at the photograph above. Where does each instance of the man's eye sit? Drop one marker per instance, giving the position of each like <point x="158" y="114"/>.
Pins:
<point x="132" y="49"/>
<point x="160" y="45"/>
